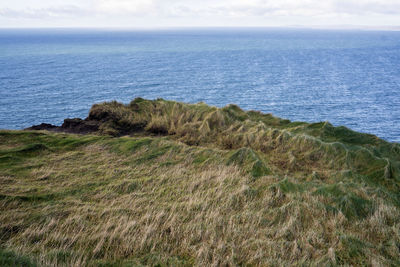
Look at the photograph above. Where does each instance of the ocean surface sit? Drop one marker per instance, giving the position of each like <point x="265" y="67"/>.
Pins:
<point x="349" y="78"/>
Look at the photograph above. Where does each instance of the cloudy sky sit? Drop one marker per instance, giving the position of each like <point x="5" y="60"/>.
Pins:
<point x="187" y="13"/>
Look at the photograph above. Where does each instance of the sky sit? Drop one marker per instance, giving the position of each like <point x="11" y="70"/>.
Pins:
<point x="199" y="13"/>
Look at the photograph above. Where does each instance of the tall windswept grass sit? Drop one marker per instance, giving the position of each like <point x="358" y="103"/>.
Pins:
<point x="297" y="145"/>
<point x="172" y="184"/>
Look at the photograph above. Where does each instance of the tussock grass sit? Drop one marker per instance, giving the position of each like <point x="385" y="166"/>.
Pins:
<point x="296" y="146"/>
<point x="195" y="185"/>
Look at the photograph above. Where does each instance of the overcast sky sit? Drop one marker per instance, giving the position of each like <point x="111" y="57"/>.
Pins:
<point x="187" y="13"/>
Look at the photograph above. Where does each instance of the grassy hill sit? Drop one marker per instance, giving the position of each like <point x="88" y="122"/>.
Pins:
<point x="173" y="184"/>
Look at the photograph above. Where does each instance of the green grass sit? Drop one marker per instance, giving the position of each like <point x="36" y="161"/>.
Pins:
<point x="11" y="259"/>
<point x="349" y="203"/>
<point x="249" y="161"/>
<point x="214" y="187"/>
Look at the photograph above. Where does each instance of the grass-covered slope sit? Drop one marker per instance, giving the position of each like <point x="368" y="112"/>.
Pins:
<point x="161" y="182"/>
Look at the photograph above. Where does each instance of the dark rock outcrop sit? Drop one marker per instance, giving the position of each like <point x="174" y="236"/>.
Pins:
<point x="79" y="126"/>
<point x="43" y="126"/>
<point x="75" y="125"/>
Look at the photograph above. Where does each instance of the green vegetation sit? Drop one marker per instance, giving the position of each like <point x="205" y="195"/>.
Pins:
<point x="172" y="184"/>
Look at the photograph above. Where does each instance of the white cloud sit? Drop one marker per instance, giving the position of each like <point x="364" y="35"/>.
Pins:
<point x="183" y="12"/>
<point x="367" y="6"/>
<point x="32" y="13"/>
<point x="125" y="6"/>
<point x="286" y="7"/>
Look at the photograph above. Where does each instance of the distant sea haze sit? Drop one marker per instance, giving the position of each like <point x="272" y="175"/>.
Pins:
<point x="349" y="78"/>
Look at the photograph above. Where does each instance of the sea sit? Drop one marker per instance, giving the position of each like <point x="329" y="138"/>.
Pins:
<point x="346" y="77"/>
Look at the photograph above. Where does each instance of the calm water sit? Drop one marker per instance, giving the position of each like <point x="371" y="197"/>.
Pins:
<point x="349" y="78"/>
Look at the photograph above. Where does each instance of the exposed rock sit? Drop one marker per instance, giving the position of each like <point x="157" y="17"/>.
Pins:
<point x="75" y="125"/>
<point x="78" y="125"/>
<point x="43" y="126"/>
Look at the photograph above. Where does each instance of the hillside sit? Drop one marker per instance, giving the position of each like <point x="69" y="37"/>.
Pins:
<point x="173" y="184"/>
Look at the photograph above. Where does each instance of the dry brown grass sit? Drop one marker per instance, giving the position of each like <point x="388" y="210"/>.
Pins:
<point x="203" y="190"/>
<point x="104" y="206"/>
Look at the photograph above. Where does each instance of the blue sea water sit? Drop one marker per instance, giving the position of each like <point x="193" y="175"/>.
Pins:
<point x="349" y="78"/>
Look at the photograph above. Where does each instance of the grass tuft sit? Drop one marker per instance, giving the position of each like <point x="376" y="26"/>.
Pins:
<point x="164" y="183"/>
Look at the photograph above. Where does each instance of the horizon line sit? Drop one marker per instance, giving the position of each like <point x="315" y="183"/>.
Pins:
<point x="311" y="27"/>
